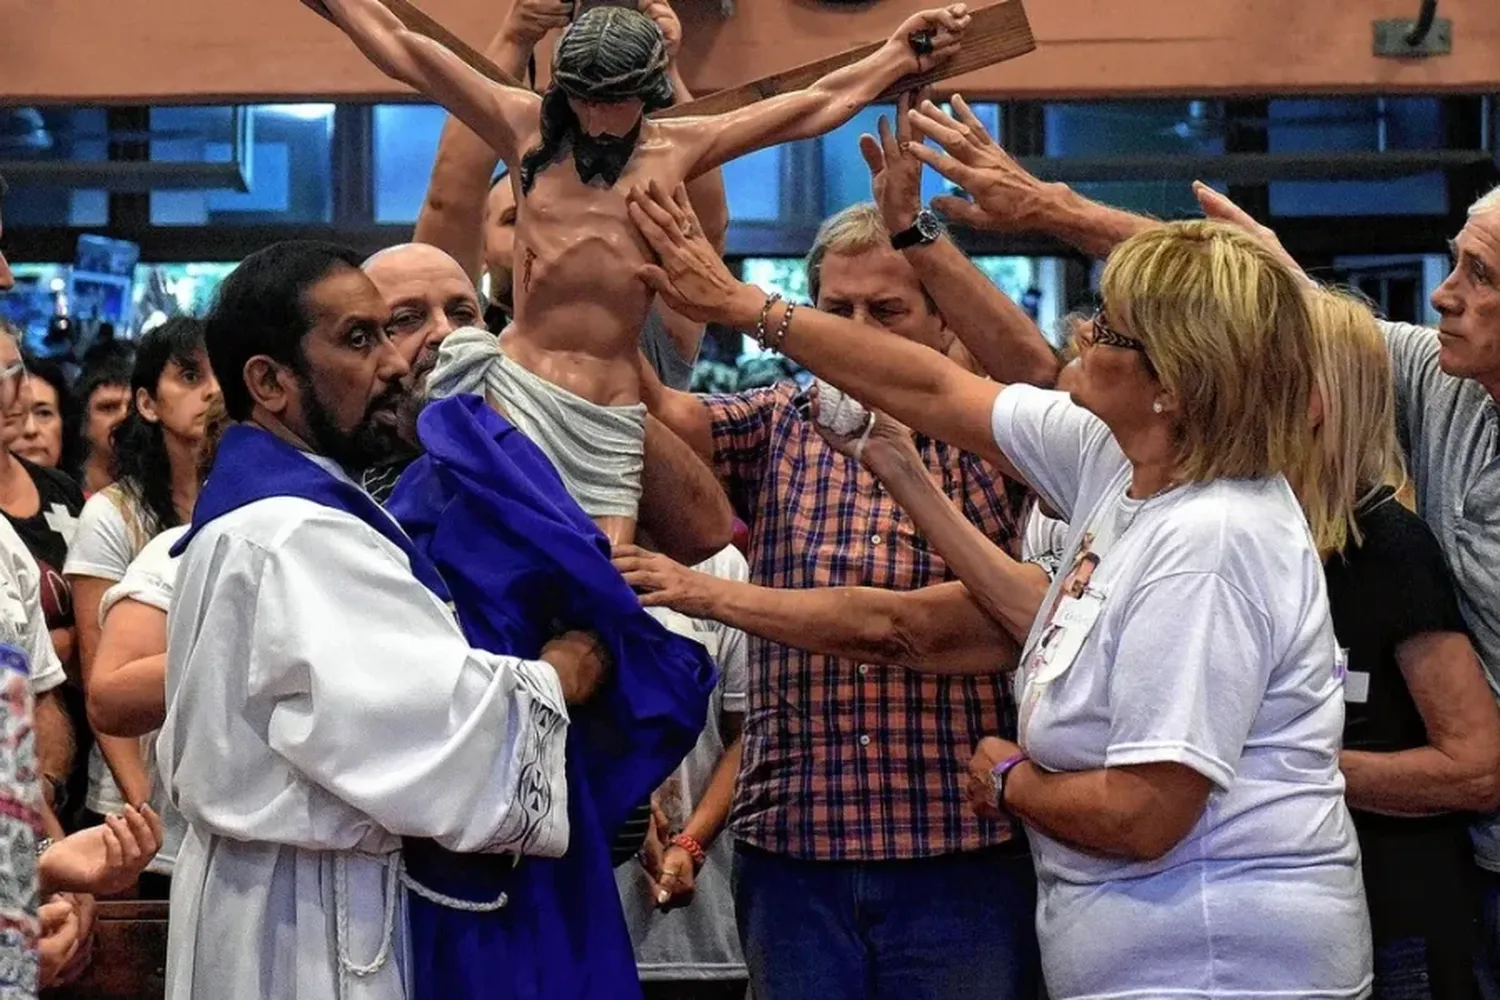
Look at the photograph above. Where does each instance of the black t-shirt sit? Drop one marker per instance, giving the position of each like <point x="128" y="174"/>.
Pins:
<point x="47" y="534"/>
<point x="1396" y="585"/>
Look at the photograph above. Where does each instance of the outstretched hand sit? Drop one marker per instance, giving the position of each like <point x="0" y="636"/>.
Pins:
<point x="666" y="19"/>
<point x="1006" y="197"/>
<point x="878" y="434"/>
<point x="895" y="174"/>
<point x="529" y="21"/>
<point x="930" y="37"/>
<point x="663" y="582"/>
<point x="1218" y="207"/>
<point x="691" y="278"/>
<point x="105" y="859"/>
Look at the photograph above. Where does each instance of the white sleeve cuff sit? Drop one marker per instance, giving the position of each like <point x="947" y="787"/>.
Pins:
<point x="1215" y="770"/>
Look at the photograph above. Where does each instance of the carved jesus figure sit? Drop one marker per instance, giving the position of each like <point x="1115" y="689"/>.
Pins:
<point x="565" y="372"/>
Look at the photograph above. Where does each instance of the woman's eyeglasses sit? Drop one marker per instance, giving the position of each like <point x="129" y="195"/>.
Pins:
<point x="13" y="372"/>
<point x="1106" y="334"/>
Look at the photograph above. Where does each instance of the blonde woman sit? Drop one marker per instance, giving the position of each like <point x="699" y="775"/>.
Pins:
<point x="1421" y="733"/>
<point x="1178" y="768"/>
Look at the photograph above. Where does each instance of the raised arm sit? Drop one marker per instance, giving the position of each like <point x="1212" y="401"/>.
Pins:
<point x="683" y="507"/>
<point x="1009" y="591"/>
<point x="915" y="384"/>
<point x="452" y="215"/>
<point x="706" y="191"/>
<point x="1007" y="198"/>
<point x="1001" y="337"/>
<point x="828" y="103"/>
<point x="503" y="116"/>
<point x="938" y="630"/>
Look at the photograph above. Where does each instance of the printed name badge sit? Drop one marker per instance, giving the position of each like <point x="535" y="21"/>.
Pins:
<point x="1065" y="636"/>
<point x="1356" y="687"/>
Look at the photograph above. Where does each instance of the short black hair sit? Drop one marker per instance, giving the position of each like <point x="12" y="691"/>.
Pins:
<point x="104" y="365"/>
<point x="261" y="309"/>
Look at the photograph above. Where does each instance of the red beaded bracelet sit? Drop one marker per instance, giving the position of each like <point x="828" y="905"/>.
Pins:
<point x="690" y="844"/>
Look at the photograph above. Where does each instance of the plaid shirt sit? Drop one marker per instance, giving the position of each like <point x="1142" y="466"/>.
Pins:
<point x="847" y="761"/>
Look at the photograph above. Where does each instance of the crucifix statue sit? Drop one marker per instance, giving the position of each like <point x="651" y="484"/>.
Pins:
<point x="566" y="372"/>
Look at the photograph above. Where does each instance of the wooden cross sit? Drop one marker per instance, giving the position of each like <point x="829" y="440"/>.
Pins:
<point x="996" y="33"/>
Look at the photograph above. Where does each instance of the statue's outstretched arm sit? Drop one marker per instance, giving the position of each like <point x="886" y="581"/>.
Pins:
<point x="503" y="116"/>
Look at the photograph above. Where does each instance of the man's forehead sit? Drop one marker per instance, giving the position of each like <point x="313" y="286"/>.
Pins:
<point x="1481" y="235"/>
<point x="345" y="293"/>
<point x="871" y="274"/>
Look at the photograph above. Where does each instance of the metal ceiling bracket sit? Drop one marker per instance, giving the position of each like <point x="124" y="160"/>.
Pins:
<point x="1391" y="39"/>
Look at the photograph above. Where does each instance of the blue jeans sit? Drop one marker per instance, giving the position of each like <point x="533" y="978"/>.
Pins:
<point x="1401" y="970"/>
<point x="957" y="926"/>
<point x="1487" y="959"/>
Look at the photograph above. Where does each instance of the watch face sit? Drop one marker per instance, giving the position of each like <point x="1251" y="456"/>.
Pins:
<point x="929" y="226"/>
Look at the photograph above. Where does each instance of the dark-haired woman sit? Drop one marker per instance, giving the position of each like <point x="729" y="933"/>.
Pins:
<point x="156" y="452"/>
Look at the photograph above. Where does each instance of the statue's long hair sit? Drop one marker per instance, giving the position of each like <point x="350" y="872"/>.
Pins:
<point x="608" y="54"/>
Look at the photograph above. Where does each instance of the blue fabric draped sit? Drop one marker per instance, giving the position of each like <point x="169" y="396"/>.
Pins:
<point x="253" y="464"/>
<point x="522" y="562"/>
<point x="490" y="528"/>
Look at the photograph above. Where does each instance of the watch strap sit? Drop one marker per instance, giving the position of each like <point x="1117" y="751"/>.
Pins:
<point x="917" y="234"/>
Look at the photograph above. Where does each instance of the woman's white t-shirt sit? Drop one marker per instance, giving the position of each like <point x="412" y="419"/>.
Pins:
<point x="150" y="579"/>
<point x="1191" y="627"/>
<point x="112" y="531"/>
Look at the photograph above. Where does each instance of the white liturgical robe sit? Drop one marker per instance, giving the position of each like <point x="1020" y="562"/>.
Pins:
<point x="322" y="704"/>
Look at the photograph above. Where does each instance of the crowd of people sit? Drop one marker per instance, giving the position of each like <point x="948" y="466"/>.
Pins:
<point x="414" y="643"/>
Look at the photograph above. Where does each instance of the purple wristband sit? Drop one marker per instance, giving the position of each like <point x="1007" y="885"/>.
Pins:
<point x="998" y="772"/>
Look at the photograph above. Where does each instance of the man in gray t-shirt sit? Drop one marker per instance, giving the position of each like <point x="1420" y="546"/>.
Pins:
<point x="1448" y="415"/>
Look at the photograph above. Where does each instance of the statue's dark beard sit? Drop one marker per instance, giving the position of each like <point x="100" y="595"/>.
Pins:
<point x="603" y="156"/>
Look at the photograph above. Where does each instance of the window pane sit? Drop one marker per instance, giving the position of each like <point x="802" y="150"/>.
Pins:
<point x="846" y="176"/>
<point x="1358" y="125"/>
<point x="1137" y="128"/>
<point x="406" y="141"/>
<point x="752" y="185"/>
<point x="291" y="165"/>
<point x="31" y="135"/>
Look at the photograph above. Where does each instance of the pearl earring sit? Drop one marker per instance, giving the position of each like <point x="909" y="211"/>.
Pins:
<point x="1156" y="407"/>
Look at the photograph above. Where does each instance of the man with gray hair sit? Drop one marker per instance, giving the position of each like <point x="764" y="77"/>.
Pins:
<point x="859" y="870"/>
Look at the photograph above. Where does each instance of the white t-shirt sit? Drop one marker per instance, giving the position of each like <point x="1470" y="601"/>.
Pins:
<point x="112" y="531"/>
<point x="21" y="615"/>
<point x="1191" y="627"/>
<point x="150" y="579"/>
<point x="698" y="941"/>
<point x="1044" y="541"/>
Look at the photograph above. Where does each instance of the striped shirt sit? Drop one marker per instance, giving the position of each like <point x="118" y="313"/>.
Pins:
<point x="848" y="761"/>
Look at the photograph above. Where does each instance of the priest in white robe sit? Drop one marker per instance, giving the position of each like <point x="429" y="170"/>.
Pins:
<point x="322" y="702"/>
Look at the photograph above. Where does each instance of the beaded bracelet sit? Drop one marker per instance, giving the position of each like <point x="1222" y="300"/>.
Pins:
<point x="695" y="850"/>
<point x="765" y="314"/>
<point x="786" y="323"/>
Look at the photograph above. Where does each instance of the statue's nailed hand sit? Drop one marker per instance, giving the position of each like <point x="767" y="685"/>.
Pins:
<point x="929" y="37"/>
<point x="691" y="277"/>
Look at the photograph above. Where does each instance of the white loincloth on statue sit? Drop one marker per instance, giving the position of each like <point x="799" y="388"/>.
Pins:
<point x="598" y="450"/>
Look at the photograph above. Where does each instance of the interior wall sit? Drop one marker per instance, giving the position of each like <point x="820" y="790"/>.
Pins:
<point x="135" y="51"/>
